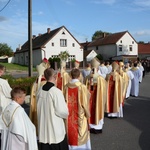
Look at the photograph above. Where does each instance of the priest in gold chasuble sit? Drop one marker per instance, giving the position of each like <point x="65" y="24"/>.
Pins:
<point x="97" y="87"/>
<point x="35" y="87"/>
<point x="114" y="93"/>
<point x="77" y="97"/>
<point x="62" y="76"/>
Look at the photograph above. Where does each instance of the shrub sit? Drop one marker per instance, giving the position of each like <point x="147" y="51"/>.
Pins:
<point x="25" y="82"/>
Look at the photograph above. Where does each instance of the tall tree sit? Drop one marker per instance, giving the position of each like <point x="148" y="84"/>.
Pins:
<point x="99" y="34"/>
<point x="5" y="50"/>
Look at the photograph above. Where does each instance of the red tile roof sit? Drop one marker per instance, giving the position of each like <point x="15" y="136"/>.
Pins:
<point x="144" y="48"/>
<point x="108" y="39"/>
<point x="41" y="40"/>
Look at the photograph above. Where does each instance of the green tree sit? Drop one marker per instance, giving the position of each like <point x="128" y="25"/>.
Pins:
<point x="99" y="34"/>
<point x="5" y="50"/>
<point x="63" y="55"/>
<point x="141" y="42"/>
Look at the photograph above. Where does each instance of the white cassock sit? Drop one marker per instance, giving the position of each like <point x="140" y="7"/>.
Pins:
<point x="103" y="71"/>
<point x="141" y="68"/>
<point x="109" y="69"/>
<point x="135" y="82"/>
<point x="131" y="76"/>
<point x="17" y="131"/>
<point x="5" y="90"/>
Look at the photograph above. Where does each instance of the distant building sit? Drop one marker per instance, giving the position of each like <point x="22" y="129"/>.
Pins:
<point x="116" y="46"/>
<point x="144" y="50"/>
<point x="50" y="44"/>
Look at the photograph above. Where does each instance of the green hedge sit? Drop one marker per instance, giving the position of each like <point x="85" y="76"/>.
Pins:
<point x="25" y="82"/>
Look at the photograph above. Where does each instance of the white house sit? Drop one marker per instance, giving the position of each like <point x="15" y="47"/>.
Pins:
<point x="118" y="46"/>
<point x="50" y="44"/>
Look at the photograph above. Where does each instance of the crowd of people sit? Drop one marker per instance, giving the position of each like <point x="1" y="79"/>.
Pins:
<point x="66" y="106"/>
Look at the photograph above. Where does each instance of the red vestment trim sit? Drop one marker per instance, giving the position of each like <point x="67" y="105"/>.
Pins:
<point x="73" y="116"/>
<point x="93" y="104"/>
<point x="59" y="81"/>
<point x="111" y="89"/>
<point x="42" y="79"/>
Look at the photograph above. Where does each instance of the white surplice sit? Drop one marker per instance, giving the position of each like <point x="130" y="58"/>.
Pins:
<point x="51" y="110"/>
<point x="5" y="90"/>
<point x="131" y="76"/>
<point x="17" y="131"/>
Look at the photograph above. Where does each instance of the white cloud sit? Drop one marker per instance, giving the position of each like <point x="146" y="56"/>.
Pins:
<point x="2" y="18"/>
<point x="142" y="3"/>
<point x="109" y="2"/>
<point x="69" y="2"/>
<point x="40" y="13"/>
<point x="143" y="33"/>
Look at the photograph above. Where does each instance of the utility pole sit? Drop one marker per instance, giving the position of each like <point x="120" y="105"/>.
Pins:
<point x="30" y="58"/>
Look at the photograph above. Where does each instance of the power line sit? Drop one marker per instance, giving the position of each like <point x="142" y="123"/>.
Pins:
<point x="5" y="5"/>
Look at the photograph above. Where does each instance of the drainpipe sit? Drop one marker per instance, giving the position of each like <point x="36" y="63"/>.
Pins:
<point x="44" y="53"/>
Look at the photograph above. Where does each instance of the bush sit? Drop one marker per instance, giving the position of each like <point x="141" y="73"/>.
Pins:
<point x="25" y="82"/>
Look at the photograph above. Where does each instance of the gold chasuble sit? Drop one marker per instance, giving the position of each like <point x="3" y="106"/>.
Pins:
<point x="114" y="92"/>
<point x="98" y="98"/>
<point x="33" y="103"/>
<point x="62" y="79"/>
<point x="125" y="82"/>
<point x="77" y="97"/>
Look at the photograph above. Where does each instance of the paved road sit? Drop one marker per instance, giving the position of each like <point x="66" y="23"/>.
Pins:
<point x="132" y="132"/>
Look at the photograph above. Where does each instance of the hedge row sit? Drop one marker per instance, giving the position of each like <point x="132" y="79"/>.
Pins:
<point x="25" y="82"/>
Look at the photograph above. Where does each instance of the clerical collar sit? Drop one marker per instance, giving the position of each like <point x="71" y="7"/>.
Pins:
<point x="74" y="80"/>
<point x="47" y="86"/>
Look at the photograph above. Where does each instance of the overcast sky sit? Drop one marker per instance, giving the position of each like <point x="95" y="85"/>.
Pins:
<point x="81" y="17"/>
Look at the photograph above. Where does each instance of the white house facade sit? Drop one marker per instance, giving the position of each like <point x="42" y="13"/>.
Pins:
<point x="49" y="45"/>
<point x="115" y="45"/>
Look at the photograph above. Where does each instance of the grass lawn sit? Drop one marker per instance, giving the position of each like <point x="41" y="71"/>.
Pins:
<point x="10" y="67"/>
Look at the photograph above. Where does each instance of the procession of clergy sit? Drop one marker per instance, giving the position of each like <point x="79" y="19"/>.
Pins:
<point x="99" y="90"/>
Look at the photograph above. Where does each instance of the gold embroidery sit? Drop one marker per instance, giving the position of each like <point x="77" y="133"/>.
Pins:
<point x="8" y="117"/>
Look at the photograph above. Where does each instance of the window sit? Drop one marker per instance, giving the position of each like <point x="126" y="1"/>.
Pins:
<point x="73" y="44"/>
<point x="120" y="48"/>
<point x="63" y="32"/>
<point x="132" y="42"/>
<point x="63" y="42"/>
<point x="120" y="41"/>
<point x="54" y="56"/>
<point x="52" y="44"/>
<point x="130" y="48"/>
<point x="96" y="47"/>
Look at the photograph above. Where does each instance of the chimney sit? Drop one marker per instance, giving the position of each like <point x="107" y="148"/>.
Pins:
<point x="19" y="47"/>
<point x="104" y="34"/>
<point x="34" y="36"/>
<point x="48" y="30"/>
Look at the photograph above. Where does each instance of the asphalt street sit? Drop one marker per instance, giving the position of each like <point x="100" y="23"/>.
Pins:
<point x="132" y="132"/>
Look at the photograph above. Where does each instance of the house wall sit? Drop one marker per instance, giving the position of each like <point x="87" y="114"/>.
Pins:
<point x="38" y="55"/>
<point x="20" y="58"/>
<point x="106" y="51"/>
<point x="56" y="49"/>
<point x="126" y="41"/>
<point x="143" y="56"/>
